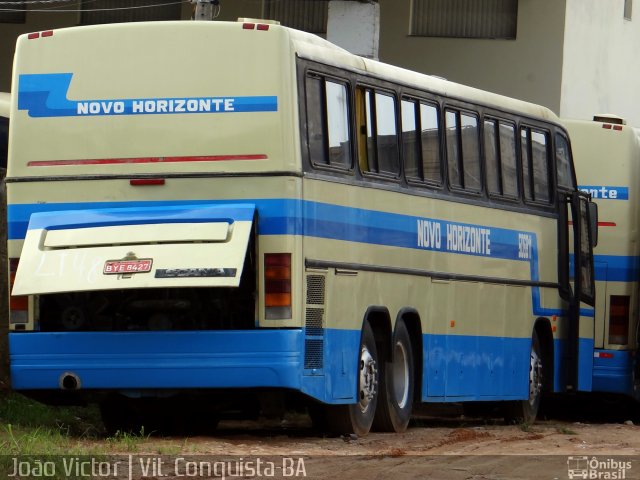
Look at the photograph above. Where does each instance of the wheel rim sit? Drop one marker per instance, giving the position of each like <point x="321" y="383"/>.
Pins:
<point x="535" y="377"/>
<point x="400" y="375"/>
<point x="368" y="379"/>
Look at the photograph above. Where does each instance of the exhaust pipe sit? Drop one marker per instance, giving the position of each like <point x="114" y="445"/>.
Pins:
<point x="69" y="381"/>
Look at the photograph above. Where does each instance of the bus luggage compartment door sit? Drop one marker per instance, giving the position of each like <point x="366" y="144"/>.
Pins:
<point x="143" y="247"/>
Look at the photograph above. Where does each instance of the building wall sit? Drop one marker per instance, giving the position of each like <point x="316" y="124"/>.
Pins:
<point x="528" y="68"/>
<point x="601" y="61"/>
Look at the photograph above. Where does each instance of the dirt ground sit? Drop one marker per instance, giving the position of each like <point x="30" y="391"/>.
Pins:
<point x="447" y="446"/>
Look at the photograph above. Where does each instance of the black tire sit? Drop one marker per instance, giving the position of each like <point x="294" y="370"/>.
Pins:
<point x="525" y="411"/>
<point x="397" y="385"/>
<point x="358" y="417"/>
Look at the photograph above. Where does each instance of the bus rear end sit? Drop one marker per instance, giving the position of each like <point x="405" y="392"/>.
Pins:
<point x="152" y="183"/>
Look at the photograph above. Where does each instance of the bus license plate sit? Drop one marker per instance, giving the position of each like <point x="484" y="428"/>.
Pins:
<point x="127" y="266"/>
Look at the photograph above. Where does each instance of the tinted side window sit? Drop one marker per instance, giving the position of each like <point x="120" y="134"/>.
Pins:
<point x="421" y="141"/>
<point x="387" y="138"/>
<point x="491" y="158"/>
<point x="328" y="123"/>
<point x="4" y="144"/>
<point x="535" y="165"/>
<point x="501" y="158"/>
<point x="463" y="150"/>
<point x="411" y="140"/>
<point x="454" y="157"/>
<point x="471" y="152"/>
<point x="563" y="163"/>
<point x="430" y="138"/>
<point x="509" y="160"/>
<point x="377" y="134"/>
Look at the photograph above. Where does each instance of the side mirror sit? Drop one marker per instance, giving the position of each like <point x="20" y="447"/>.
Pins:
<point x="592" y="210"/>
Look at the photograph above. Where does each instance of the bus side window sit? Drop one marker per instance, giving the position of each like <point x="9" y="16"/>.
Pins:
<point x="430" y="138"/>
<point x="386" y="135"/>
<point x="421" y="141"/>
<point x="535" y="165"/>
<point x="463" y="150"/>
<point x="454" y="160"/>
<point x="501" y="158"/>
<point x="328" y="123"/>
<point x="377" y="135"/>
<point x="509" y="160"/>
<point x="563" y="163"/>
<point x="411" y="140"/>
<point x="4" y="144"/>
<point x="471" y="152"/>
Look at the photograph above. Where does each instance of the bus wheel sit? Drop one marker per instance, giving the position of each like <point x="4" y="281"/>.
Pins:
<point x="358" y="417"/>
<point x="525" y="411"/>
<point x="397" y="386"/>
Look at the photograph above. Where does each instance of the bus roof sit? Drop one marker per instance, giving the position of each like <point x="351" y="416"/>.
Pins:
<point x="311" y="46"/>
<point x="5" y="104"/>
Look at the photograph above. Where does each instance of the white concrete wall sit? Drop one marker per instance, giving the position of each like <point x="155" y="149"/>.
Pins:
<point x="528" y="68"/>
<point x="601" y="68"/>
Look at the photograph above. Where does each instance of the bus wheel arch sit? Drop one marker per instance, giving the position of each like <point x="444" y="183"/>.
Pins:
<point x="544" y="332"/>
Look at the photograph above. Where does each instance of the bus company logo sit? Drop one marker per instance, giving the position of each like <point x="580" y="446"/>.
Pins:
<point x="604" y="192"/>
<point x="595" y="468"/>
<point x="45" y="95"/>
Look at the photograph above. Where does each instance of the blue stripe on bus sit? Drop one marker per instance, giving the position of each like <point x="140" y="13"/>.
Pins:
<point x="299" y="217"/>
<point x="45" y="95"/>
<point x="456" y="367"/>
<point x="58" y="220"/>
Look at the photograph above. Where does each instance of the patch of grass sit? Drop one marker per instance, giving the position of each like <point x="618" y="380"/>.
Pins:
<point x="31" y="428"/>
<point x="526" y="427"/>
<point x="126" y="441"/>
<point x="20" y="411"/>
<point x="565" y="431"/>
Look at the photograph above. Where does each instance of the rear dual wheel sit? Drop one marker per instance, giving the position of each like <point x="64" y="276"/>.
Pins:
<point x="397" y="389"/>
<point x="385" y="393"/>
<point x="358" y="417"/>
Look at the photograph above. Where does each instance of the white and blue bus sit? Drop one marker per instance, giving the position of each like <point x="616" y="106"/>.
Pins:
<point x="280" y="215"/>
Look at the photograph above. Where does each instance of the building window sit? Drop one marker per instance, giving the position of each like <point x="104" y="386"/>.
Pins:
<point x="118" y="11"/>
<point x="307" y="15"/>
<point x="628" y="7"/>
<point x="465" y="18"/>
<point x="15" y="13"/>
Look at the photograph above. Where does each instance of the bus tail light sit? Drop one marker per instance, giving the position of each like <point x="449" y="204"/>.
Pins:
<point x="18" y="305"/>
<point x="619" y="319"/>
<point x="277" y="285"/>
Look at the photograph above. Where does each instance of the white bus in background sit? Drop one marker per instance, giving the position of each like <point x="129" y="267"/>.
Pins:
<point x="264" y="211"/>
<point x="606" y="155"/>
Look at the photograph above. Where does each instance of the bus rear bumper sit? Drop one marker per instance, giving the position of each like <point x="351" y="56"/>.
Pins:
<point x="157" y="360"/>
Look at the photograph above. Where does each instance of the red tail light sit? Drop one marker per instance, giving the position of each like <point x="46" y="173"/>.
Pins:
<point x="18" y="305"/>
<point x="277" y="285"/>
<point x="619" y="319"/>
